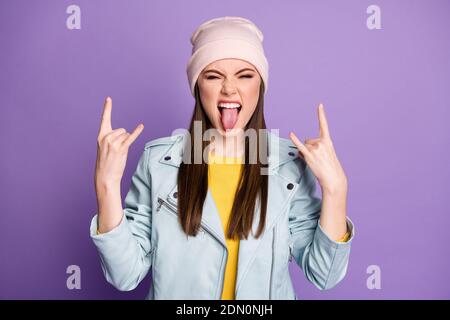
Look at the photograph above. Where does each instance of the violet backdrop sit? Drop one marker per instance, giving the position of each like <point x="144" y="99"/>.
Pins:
<point x="386" y="95"/>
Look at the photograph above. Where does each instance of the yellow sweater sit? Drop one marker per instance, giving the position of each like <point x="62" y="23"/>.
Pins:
<point x="223" y="179"/>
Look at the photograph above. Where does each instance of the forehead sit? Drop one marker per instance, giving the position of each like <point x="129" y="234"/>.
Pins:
<point x="229" y="65"/>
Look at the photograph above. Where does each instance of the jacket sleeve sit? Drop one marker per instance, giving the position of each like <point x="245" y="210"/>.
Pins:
<point x="126" y="251"/>
<point x="323" y="260"/>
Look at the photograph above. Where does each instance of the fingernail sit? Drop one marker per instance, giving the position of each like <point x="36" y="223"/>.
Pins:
<point x="108" y="98"/>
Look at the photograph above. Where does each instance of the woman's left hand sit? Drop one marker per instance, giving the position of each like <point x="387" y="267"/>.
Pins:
<point x="320" y="156"/>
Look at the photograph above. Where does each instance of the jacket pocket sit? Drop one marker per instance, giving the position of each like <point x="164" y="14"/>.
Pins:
<point x="273" y="265"/>
<point x="154" y="268"/>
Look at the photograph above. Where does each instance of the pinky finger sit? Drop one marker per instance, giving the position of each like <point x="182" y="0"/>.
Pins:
<point x="134" y="135"/>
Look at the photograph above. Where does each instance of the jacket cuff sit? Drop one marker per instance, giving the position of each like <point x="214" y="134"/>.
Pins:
<point x="324" y="238"/>
<point x="112" y="242"/>
<point x="94" y="227"/>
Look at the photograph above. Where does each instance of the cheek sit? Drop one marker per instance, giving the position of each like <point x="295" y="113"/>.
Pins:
<point x="252" y="96"/>
<point x="255" y="89"/>
<point x="207" y="102"/>
<point x="249" y="112"/>
<point x="251" y="91"/>
<point x="210" y="111"/>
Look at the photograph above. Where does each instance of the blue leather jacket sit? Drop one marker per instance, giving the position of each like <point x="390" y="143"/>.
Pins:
<point x="149" y="236"/>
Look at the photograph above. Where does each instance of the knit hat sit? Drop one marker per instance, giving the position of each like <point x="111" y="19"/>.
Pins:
<point x="227" y="37"/>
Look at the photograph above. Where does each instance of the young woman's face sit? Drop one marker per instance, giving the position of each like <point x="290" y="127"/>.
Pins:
<point x="229" y="80"/>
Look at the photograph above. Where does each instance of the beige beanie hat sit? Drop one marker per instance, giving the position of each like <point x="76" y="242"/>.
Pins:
<point x="227" y="37"/>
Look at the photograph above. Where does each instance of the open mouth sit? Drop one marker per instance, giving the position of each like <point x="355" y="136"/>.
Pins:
<point x="221" y="109"/>
<point x="229" y="113"/>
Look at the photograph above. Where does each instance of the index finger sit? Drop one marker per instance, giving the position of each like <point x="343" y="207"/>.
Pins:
<point x="105" y="125"/>
<point x="323" y="124"/>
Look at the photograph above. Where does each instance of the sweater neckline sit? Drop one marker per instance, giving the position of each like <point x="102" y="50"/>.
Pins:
<point x="229" y="160"/>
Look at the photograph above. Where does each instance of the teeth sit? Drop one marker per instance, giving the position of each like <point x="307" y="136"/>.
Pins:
<point x="229" y="105"/>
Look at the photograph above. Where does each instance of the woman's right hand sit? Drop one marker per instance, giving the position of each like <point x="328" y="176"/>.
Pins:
<point x="112" y="149"/>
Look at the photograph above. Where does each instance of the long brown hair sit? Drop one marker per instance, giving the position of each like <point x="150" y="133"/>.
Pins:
<point x="193" y="179"/>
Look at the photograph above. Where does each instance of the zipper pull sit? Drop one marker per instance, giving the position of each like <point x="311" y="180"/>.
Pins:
<point x="159" y="205"/>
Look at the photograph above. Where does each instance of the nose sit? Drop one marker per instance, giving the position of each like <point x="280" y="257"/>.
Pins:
<point x="228" y="87"/>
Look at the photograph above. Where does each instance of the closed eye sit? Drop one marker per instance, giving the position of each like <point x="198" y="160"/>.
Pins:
<point x="244" y="76"/>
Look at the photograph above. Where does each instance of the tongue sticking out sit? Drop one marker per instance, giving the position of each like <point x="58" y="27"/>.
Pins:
<point x="229" y="117"/>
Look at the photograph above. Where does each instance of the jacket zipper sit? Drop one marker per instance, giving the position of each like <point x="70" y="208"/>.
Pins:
<point x="173" y="209"/>
<point x="290" y="253"/>
<point x="273" y="263"/>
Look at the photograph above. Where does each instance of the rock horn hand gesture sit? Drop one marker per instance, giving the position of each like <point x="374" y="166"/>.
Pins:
<point x="320" y="156"/>
<point x="112" y="148"/>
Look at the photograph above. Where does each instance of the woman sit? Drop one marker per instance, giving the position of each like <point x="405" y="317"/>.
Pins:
<point x="217" y="212"/>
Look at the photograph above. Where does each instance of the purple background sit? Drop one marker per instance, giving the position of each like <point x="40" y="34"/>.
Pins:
<point x="385" y="92"/>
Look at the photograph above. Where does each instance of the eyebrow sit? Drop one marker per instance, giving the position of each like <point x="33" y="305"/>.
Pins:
<point x="216" y="71"/>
